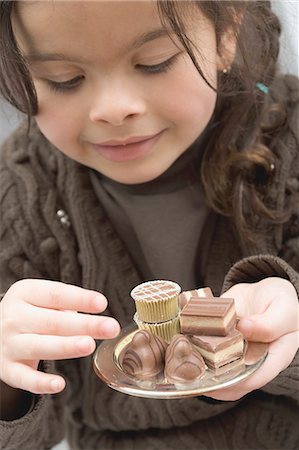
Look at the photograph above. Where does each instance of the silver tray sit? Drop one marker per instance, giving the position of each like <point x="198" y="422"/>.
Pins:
<point x="107" y="367"/>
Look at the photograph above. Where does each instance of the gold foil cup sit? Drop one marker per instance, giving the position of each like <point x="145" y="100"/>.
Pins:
<point x="156" y="301"/>
<point x="165" y="330"/>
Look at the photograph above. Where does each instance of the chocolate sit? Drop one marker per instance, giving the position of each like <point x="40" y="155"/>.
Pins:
<point x="144" y="356"/>
<point x="183" y="363"/>
<point x="220" y="350"/>
<point x="165" y="330"/>
<point x="155" y="290"/>
<point x="156" y="301"/>
<point x="211" y="317"/>
<point x="207" y="339"/>
<point x="201" y="293"/>
<point x="230" y="369"/>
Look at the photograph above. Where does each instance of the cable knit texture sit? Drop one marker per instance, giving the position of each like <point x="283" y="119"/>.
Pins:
<point x="36" y="182"/>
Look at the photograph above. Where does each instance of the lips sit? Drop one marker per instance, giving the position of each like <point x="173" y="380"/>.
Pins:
<point x="122" y="142"/>
<point x="121" y="150"/>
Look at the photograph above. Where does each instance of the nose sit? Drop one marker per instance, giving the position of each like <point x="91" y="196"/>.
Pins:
<point x="115" y="103"/>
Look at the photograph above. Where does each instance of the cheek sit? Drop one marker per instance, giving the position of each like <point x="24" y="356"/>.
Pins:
<point x="57" y="121"/>
<point x="187" y="101"/>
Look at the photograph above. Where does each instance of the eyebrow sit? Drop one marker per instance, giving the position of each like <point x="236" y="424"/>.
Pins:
<point x="137" y="43"/>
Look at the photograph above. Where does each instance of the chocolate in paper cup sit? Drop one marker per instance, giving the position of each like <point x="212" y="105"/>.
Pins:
<point x="156" y="301"/>
<point x="165" y="330"/>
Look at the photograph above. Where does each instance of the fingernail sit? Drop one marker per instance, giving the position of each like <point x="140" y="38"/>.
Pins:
<point x="83" y="344"/>
<point x="56" y="385"/>
<point x="246" y="326"/>
<point x="110" y="327"/>
<point x="100" y="302"/>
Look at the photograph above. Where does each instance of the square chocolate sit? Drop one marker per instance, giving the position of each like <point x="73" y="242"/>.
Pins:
<point x="211" y="317"/>
<point x="201" y="293"/>
<point x="220" y="350"/>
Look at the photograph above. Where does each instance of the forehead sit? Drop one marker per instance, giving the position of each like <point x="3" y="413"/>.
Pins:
<point x="110" y="24"/>
<point x="107" y="25"/>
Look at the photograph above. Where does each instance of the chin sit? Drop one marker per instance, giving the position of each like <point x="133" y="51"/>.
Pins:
<point x="127" y="177"/>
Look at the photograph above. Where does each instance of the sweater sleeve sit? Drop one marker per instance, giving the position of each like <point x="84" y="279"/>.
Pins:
<point x="21" y="257"/>
<point x="41" y="428"/>
<point x="254" y="269"/>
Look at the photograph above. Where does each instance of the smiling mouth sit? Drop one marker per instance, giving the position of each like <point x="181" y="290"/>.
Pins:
<point x="124" y="142"/>
<point x="127" y="149"/>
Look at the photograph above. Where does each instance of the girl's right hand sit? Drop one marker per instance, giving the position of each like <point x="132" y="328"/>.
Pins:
<point x="43" y="320"/>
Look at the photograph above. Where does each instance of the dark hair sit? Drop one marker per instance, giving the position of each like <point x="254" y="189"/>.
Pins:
<point x="16" y="85"/>
<point x="237" y="163"/>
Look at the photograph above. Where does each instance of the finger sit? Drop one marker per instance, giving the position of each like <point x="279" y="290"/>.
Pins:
<point x="37" y="347"/>
<point x="240" y="293"/>
<point x="65" y="323"/>
<point x="277" y="360"/>
<point x="60" y="296"/>
<point x="270" y="325"/>
<point x="31" y="380"/>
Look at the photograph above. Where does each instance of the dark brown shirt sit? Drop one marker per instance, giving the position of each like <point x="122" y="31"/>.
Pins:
<point x="161" y="221"/>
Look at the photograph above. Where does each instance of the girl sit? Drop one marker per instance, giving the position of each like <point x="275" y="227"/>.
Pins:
<point x="160" y="144"/>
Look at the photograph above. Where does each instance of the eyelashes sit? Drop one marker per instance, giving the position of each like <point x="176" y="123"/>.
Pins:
<point x="158" y="68"/>
<point x="74" y="83"/>
<point x="65" y="86"/>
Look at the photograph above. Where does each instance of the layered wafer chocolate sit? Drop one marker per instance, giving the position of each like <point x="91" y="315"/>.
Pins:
<point x="185" y="296"/>
<point x="211" y="317"/>
<point x="218" y="351"/>
<point x="230" y="369"/>
<point x="156" y="301"/>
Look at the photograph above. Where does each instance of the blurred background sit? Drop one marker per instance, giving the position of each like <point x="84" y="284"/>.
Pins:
<point x="288" y="12"/>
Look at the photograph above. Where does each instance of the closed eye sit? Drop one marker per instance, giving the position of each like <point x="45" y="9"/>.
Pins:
<point x="158" y="68"/>
<point x="66" y="85"/>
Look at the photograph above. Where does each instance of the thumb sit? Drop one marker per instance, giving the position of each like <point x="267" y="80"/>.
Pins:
<point x="266" y="327"/>
<point x="256" y="328"/>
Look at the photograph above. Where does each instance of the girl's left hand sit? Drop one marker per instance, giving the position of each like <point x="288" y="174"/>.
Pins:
<point x="268" y="312"/>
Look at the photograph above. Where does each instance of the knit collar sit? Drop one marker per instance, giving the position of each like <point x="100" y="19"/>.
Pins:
<point x="183" y="172"/>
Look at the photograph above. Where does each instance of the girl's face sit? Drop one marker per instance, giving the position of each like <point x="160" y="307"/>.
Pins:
<point x="115" y="92"/>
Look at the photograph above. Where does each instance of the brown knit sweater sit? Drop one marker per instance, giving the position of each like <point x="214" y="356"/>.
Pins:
<point x="35" y="182"/>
